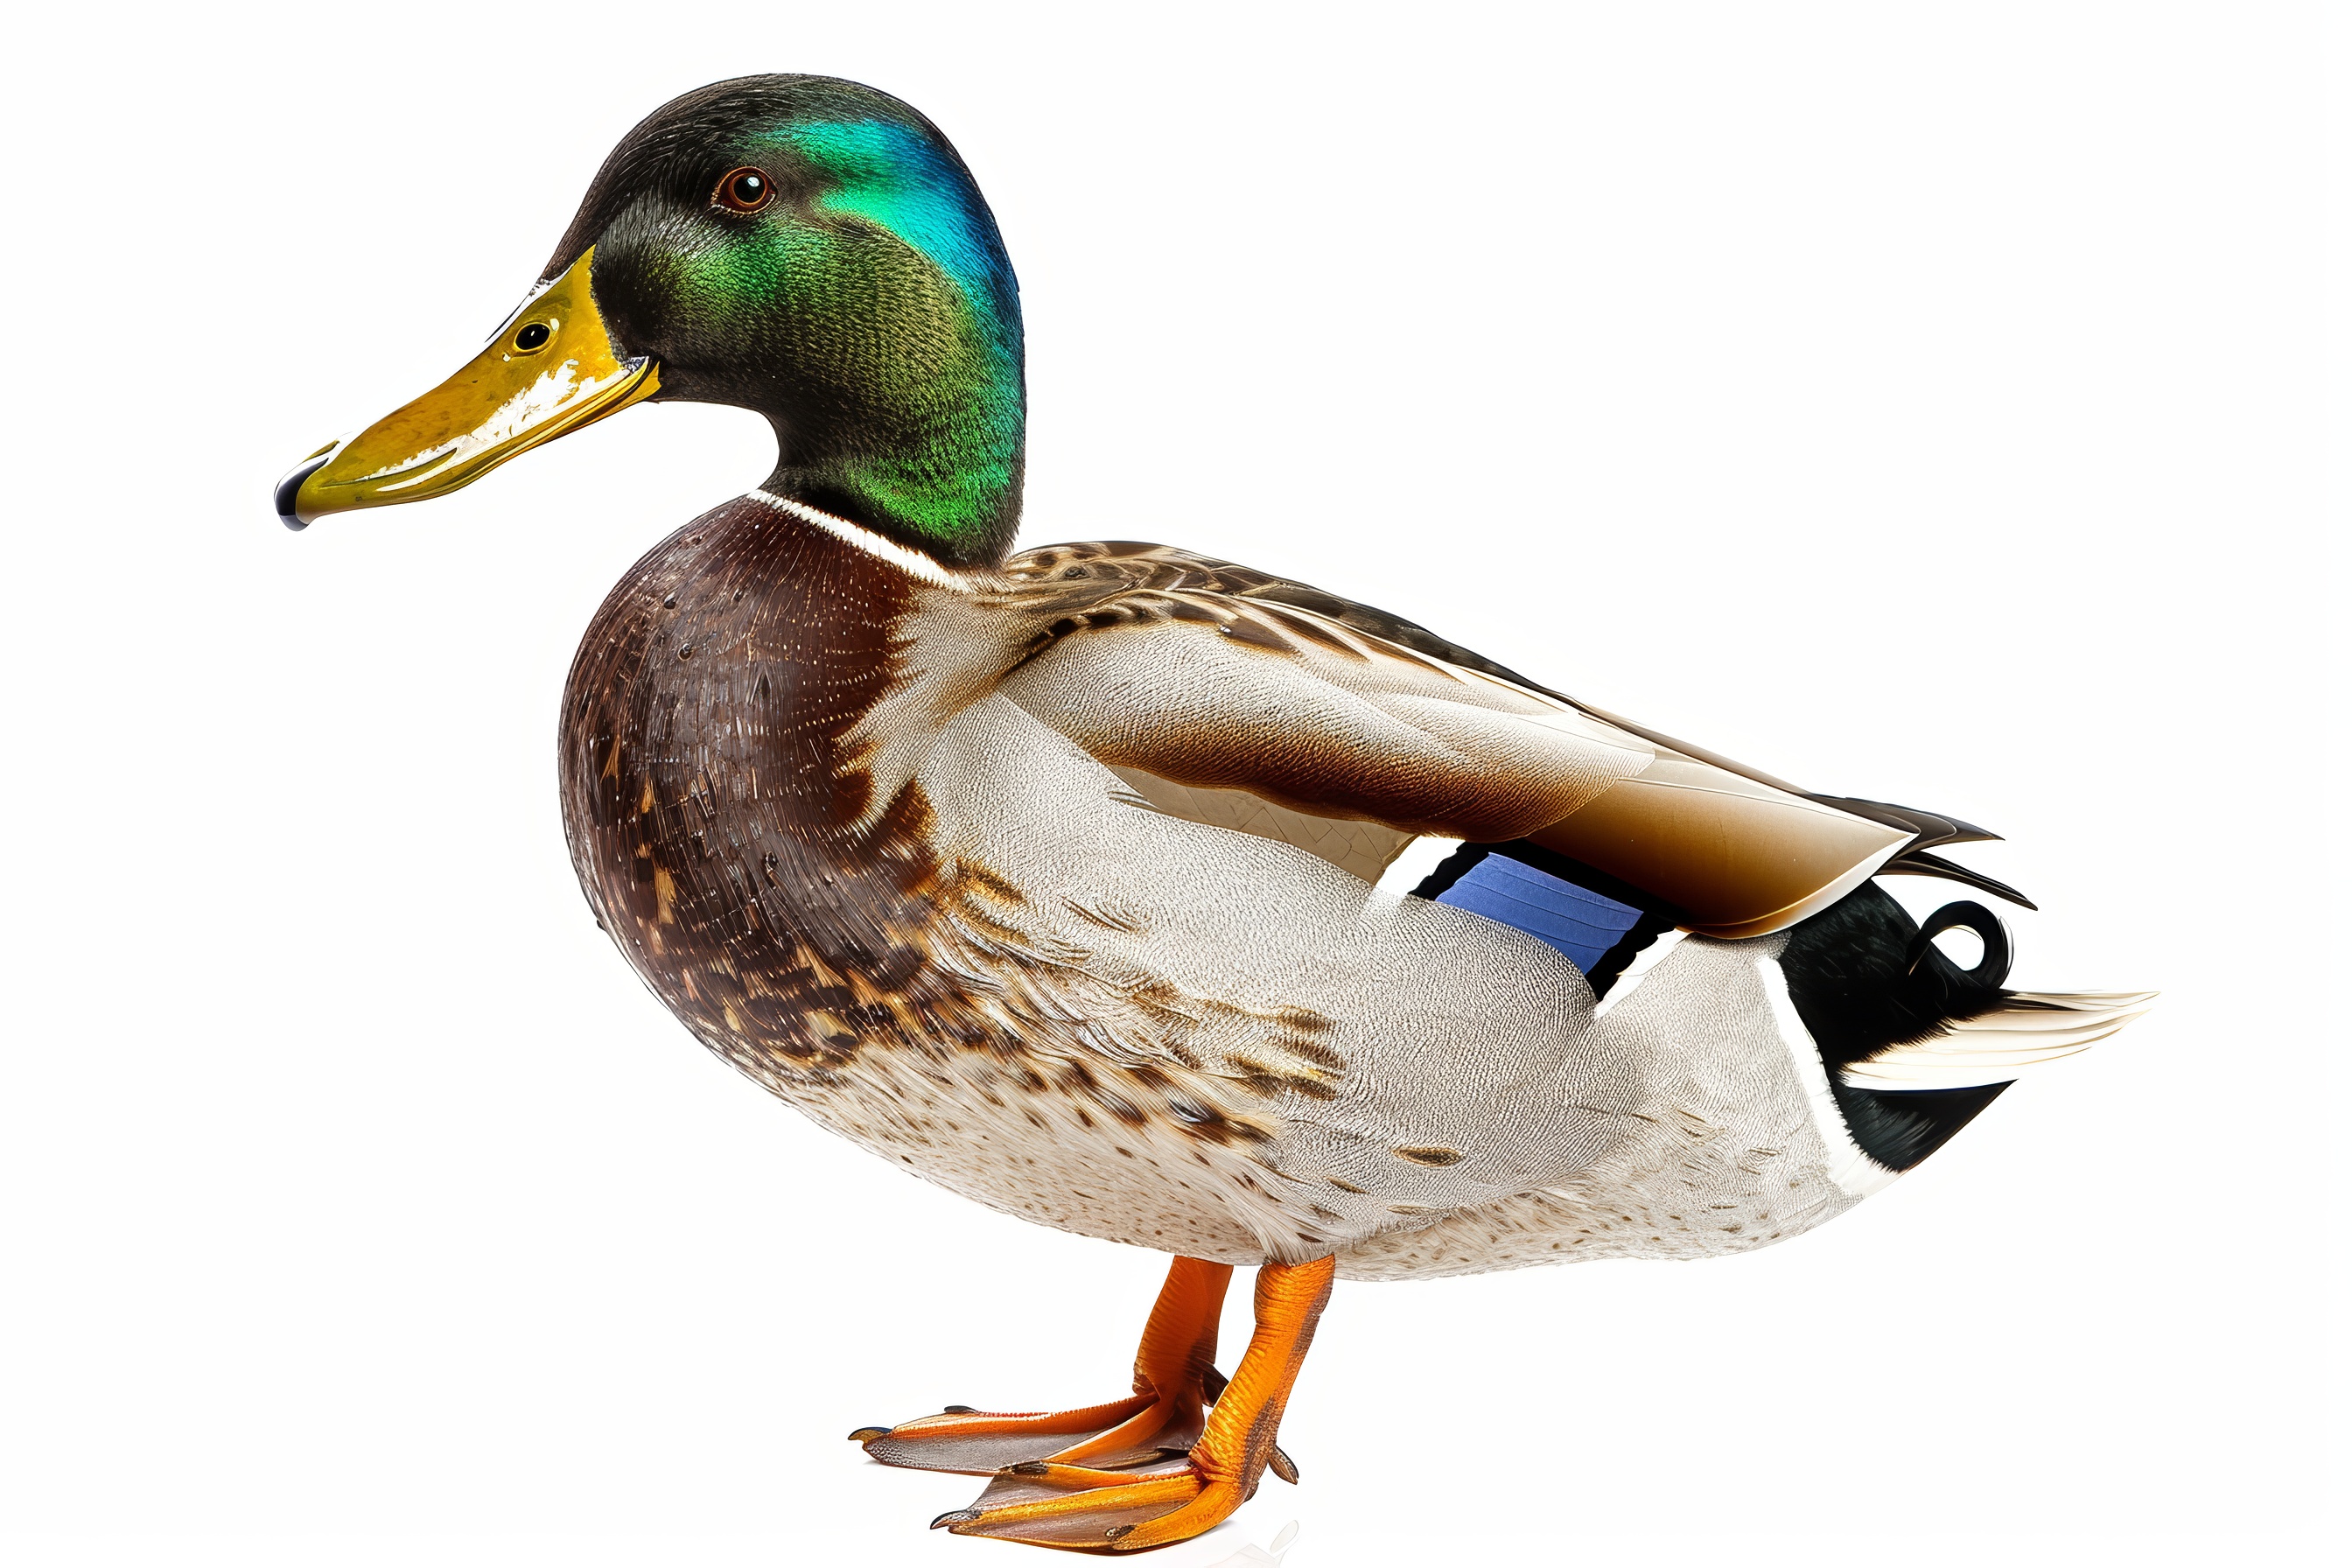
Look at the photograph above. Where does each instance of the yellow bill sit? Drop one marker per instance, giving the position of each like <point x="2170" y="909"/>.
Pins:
<point x="550" y="370"/>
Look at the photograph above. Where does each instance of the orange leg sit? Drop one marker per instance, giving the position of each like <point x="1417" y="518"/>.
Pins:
<point x="1175" y="1376"/>
<point x="1086" y="1507"/>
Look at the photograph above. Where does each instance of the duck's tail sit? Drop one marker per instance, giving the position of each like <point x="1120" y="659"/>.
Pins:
<point x="1916" y="1046"/>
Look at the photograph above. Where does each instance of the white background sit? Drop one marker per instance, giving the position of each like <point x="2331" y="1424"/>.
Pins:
<point x="1919" y="402"/>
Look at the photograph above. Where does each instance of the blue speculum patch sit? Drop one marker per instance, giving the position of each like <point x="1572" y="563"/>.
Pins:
<point x="1580" y="925"/>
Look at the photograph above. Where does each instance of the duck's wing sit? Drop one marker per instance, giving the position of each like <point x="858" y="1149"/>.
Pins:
<point x="1247" y="701"/>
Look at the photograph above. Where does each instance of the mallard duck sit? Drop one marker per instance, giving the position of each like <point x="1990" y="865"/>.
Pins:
<point x="1139" y="893"/>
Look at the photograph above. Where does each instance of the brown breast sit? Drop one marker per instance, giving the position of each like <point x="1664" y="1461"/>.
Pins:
<point x="710" y="807"/>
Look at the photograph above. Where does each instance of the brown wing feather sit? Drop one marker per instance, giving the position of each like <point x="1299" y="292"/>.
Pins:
<point x="1214" y="677"/>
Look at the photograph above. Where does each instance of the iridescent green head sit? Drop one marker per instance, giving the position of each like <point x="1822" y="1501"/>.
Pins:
<point x="815" y="251"/>
<point x="807" y="248"/>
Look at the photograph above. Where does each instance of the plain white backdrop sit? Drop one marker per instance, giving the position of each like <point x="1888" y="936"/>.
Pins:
<point x="1925" y="403"/>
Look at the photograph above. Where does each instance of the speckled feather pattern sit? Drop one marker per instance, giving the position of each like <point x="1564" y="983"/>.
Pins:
<point x="862" y="833"/>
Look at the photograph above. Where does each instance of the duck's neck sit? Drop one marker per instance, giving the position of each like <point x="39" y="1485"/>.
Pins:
<point x="942" y="483"/>
<point x="919" y="442"/>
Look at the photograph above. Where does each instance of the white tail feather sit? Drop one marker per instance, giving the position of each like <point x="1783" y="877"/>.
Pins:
<point x="1992" y="1047"/>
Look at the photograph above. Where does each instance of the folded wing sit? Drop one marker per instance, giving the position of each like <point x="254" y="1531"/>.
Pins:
<point x="1235" y="698"/>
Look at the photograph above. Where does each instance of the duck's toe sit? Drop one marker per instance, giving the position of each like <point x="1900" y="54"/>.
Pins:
<point x="1174" y="1381"/>
<point x="982" y="1443"/>
<point x="1080" y="1508"/>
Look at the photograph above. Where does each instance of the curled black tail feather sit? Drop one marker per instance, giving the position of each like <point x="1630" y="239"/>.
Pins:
<point x="1864" y="977"/>
<point x="1967" y="915"/>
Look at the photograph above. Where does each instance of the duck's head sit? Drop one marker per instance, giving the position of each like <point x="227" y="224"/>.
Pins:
<point x="805" y="247"/>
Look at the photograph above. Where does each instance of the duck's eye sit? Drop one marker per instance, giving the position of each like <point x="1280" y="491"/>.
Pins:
<point x="532" y="338"/>
<point x="744" y="191"/>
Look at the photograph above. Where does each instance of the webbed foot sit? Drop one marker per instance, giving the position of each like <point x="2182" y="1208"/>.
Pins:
<point x="1168" y="1498"/>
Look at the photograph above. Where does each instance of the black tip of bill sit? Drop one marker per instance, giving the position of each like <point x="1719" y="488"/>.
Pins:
<point x="283" y="496"/>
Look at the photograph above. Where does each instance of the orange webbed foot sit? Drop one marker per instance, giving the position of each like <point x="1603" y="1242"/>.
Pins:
<point x="1133" y="1507"/>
